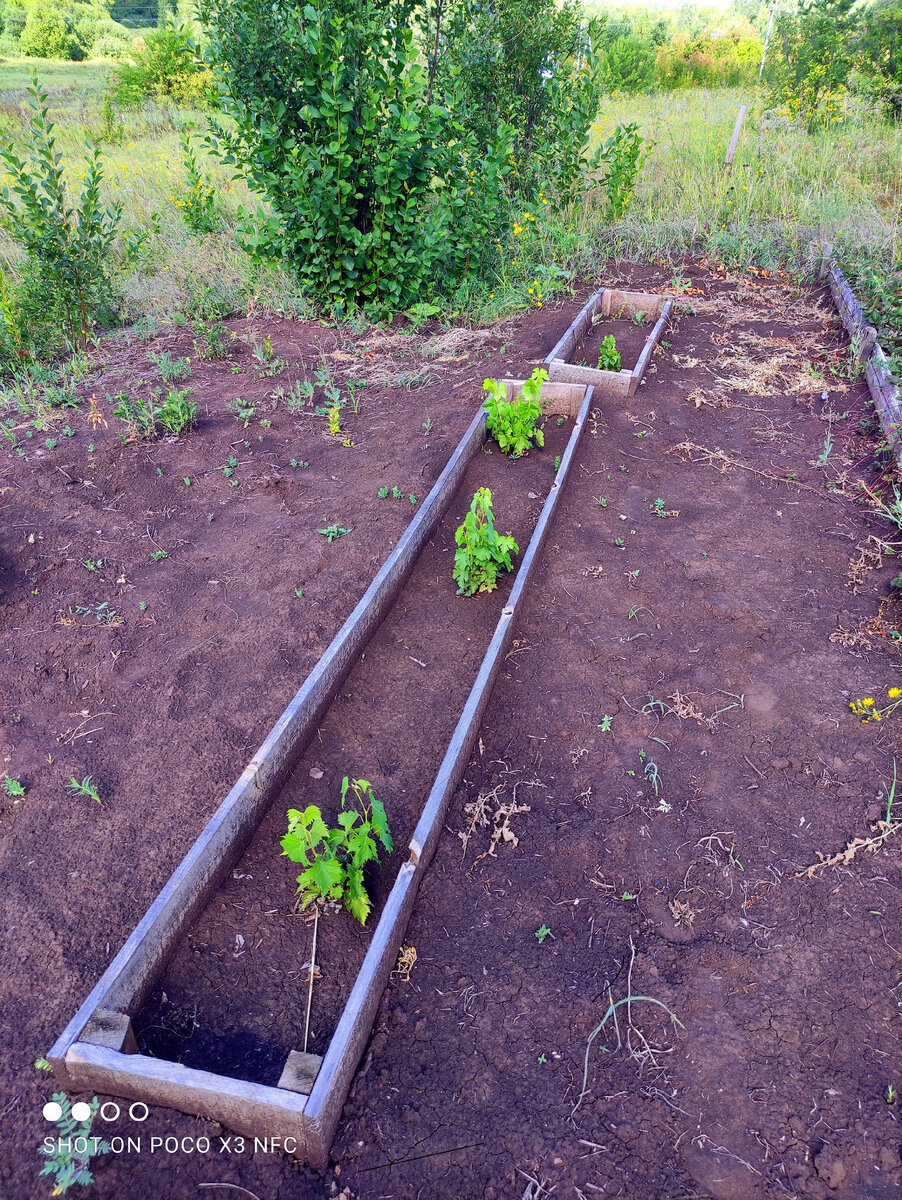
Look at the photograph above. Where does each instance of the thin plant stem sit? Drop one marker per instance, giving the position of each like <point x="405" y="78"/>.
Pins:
<point x="312" y="973"/>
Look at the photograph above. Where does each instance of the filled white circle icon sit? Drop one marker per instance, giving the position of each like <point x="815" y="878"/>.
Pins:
<point x="52" y="1111"/>
<point x="81" y="1111"/>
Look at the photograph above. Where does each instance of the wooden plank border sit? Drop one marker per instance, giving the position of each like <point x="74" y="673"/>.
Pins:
<point x="604" y="303"/>
<point x="132" y="973"/>
<point x="883" y="388"/>
<point x="302" y="1125"/>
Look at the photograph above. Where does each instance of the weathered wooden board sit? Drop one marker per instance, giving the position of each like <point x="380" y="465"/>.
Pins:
<point x="883" y="388"/>
<point x="609" y="381"/>
<point x="96" y="1052"/>
<point x="127" y="980"/>
<point x="558" y="399"/>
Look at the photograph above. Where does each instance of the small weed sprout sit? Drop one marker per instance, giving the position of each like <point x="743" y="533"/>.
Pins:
<point x="542" y="933"/>
<point x="177" y="413"/>
<point x="70" y="1153"/>
<point x="828" y="447"/>
<point x="244" y="410"/>
<point x="513" y="424"/>
<point x="890" y="510"/>
<point x="333" y="531"/>
<point x="213" y="341"/>
<point x="299" y="395"/>
<point x="159" y="555"/>
<point x="13" y="787"/>
<point x="608" y="354"/>
<point x="172" y="370"/>
<point x="333" y="859"/>
<point x="136" y="414"/>
<point x="482" y="553"/>
<point x="85" y="787"/>
<point x="268" y="361"/>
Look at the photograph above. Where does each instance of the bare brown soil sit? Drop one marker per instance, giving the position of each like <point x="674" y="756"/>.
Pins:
<point x="723" y="642"/>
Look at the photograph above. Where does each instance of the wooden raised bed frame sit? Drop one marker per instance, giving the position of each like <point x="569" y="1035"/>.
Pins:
<point x="883" y="387"/>
<point x="606" y="303"/>
<point x="97" y="1050"/>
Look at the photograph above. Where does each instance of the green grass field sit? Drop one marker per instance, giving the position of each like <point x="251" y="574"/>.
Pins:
<point x="788" y="192"/>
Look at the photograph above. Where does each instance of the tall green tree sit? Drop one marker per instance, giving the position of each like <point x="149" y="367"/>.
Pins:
<point x="813" y="55"/>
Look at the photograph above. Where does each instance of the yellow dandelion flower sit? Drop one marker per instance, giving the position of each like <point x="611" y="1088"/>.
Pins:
<point x="893" y="693"/>
<point x="868" y="702"/>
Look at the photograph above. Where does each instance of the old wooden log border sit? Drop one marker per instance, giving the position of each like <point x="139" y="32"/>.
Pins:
<point x="884" y="390"/>
<point x="603" y="304"/>
<point x="97" y="1050"/>
<point x="129" y="977"/>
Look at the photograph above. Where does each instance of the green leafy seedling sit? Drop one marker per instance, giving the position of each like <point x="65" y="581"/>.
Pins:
<point x="12" y="786"/>
<point x="84" y="788"/>
<point x="513" y="423"/>
<point x="608" y="354"/>
<point x="332" y="532"/>
<point x="542" y="933"/>
<point x="69" y="1154"/>
<point x="605" y="723"/>
<point x="481" y="552"/>
<point x="333" y="859"/>
<point x="383" y="493"/>
<point x="159" y="555"/>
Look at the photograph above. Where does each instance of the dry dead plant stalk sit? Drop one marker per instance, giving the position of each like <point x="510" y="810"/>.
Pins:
<point x="881" y="831"/>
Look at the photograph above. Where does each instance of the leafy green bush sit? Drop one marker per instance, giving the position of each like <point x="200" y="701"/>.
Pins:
<point x="48" y="34"/>
<point x="334" y="859"/>
<point x="528" y="63"/>
<point x="196" y="201"/>
<point x="618" y="161"/>
<point x="481" y="553"/>
<point x="67" y="243"/>
<point x="513" y="423"/>
<point x="812" y="60"/>
<point x="371" y="188"/>
<point x="165" y="69"/>
<point x="878" y="49"/>
<point x="628" y="65"/>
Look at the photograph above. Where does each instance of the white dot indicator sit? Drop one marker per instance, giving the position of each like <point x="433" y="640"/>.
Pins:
<point x="52" y="1111"/>
<point x="81" y="1111"/>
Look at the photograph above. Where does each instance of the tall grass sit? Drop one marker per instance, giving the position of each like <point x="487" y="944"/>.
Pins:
<point x="787" y="193"/>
